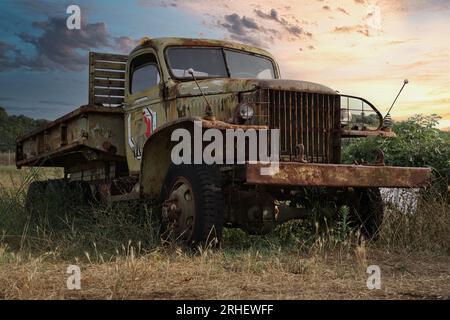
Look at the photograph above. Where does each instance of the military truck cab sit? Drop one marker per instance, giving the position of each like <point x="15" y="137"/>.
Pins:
<point x="118" y="147"/>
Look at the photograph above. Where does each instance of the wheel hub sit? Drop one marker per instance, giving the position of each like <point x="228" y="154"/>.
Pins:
<point x="179" y="209"/>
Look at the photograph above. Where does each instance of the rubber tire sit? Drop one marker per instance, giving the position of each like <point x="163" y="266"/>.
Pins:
<point x="209" y="203"/>
<point x="368" y="211"/>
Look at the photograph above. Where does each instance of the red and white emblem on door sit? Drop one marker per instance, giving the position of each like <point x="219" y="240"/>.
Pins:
<point x="150" y="121"/>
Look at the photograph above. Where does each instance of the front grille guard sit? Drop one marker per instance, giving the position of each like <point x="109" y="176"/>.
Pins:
<point x="363" y="115"/>
<point x="309" y="123"/>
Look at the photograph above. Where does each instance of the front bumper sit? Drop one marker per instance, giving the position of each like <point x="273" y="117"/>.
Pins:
<point x="339" y="175"/>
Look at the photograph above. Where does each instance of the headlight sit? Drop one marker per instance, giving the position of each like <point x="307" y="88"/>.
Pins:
<point x="346" y="116"/>
<point x="246" y="112"/>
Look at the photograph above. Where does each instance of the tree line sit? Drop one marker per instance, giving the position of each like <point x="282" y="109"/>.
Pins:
<point x="12" y="126"/>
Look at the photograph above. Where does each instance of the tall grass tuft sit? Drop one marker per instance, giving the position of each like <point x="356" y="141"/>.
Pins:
<point x="68" y="229"/>
<point x="101" y="233"/>
<point x="425" y="229"/>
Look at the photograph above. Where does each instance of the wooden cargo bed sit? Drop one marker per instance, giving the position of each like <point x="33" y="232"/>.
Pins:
<point x="86" y="134"/>
<point x="94" y="132"/>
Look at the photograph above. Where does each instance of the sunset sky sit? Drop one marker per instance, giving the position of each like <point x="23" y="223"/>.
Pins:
<point x="359" y="47"/>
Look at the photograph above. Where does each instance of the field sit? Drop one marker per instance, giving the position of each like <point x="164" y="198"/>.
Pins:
<point x="7" y="158"/>
<point x="120" y="255"/>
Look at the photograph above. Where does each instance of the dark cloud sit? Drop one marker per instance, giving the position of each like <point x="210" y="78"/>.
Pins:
<point x="48" y="8"/>
<point x="293" y="29"/>
<point x="161" y="4"/>
<point x="237" y="25"/>
<point x="272" y="15"/>
<point x="247" y="30"/>
<point x="326" y="8"/>
<point x="360" y="1"/>
<point x="10" y="56"/>
<point x="58" y="48"/>
<point x="242" y="29"/>
<point x="171" y="4"/>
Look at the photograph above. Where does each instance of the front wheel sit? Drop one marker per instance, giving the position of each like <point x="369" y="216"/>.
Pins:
<point x="192" y="205"/>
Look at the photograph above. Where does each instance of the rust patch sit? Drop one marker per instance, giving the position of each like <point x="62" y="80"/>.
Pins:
<point x="334" y="175"/>
<point x="374" y="133"/>
<point x="80" y="111"/>
<point x="108" y="147"/>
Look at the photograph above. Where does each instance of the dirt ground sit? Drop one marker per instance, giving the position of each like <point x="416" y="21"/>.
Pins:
<point x="213" y="275"/>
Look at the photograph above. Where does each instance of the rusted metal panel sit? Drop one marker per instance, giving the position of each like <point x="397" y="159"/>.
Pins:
<point x="162" y="43"/>
<point x="39" y="158"/>
<point x="375" y="133"/>
<point x="295" y="85"/>
<point x="100" y="129"/>
<point x="77" y="112"/>
<point x="306" y="122"/>
<point x="334" y="175"/>
<point x="220" y="125"/>
<point x="230" y="85"/>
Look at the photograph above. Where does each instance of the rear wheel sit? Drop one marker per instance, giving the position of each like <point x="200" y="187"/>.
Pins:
<point x="192" y="205"/>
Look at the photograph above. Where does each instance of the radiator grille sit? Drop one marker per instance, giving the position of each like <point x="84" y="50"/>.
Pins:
<point x="309" y="124"/>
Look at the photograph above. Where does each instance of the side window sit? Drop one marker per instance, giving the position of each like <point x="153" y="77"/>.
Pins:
<point x="144" y="73"/>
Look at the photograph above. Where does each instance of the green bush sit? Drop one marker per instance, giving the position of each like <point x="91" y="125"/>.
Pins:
<point x="418" y="144"/>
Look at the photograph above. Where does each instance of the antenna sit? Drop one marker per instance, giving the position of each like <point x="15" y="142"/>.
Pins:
<point x="209" y="115"/>
<point x="405" y="82"/>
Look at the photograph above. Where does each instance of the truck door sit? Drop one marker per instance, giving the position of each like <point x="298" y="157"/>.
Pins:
<point x="143" y="104"/>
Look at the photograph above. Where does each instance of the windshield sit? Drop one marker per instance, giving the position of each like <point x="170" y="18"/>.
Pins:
<point x="244" y="65"/>
<point x="213" y="63"/>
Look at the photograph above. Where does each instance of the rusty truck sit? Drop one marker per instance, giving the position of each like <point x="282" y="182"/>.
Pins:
<point x="118" y="147"/>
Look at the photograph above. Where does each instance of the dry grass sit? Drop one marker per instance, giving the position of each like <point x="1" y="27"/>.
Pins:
<point x="121" y="258"/>
<point x="427" y="229"/>
<point x="7" y="158"/>
<point x="13" y="180"/>
<point x="217" y="275"/>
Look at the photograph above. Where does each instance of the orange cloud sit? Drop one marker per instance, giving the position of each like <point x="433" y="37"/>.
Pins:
<point x="358" y="52"/>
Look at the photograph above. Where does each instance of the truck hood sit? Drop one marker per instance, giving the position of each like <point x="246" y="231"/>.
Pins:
<point x="231" y="85"/>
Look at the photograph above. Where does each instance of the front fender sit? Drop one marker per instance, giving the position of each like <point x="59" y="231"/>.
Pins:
<point x="156" y="153"/>
<point x="156" y="156"/>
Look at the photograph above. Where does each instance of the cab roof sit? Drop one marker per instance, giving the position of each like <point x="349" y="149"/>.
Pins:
<point x="161" y="43"/>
